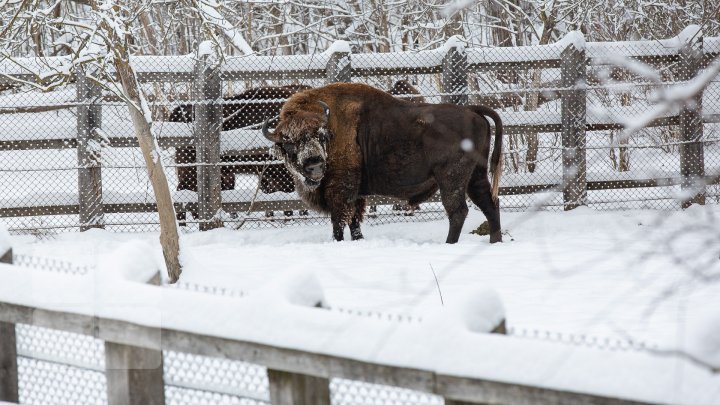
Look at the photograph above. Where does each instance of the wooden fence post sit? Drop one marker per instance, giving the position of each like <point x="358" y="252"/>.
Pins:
<point x="692" y="154"/>
<point x="297" y="389"/>
<point x="338" y="68"/>
<point x="89" y="118"/>
<point x="207" y="91"/>
<point x="8" y="353"/>
<point x="134" y="375"/>
<point x="455" y="77"/>
<point x="573" y="96"/>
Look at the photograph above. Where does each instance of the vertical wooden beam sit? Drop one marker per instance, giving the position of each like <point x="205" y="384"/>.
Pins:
<point x="89" y="150"/>
<point x="692" y="154"/>
<point x="208" y="123"/>
<point x="455" y="77"/>
<point x="297" y="389"/>
<point x="134" y="375"/>
<point x="9" y="391"/>
<point x="573" y="96"/>
<point x="338" y="68"/>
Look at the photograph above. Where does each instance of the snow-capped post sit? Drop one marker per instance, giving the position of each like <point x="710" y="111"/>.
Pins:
<point x="455" y="72"/>
<point x="692" y="155"/>
<point x="8" y="339"/>
<point x="89" y="118"/>
<point x="573" y="95"/>
<point x="207" y="92"/>
<point x="338" y="68"/>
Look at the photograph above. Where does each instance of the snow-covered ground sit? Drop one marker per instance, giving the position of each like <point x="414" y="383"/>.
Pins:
<point x="645" y="277"/>
<point x="642" y="275"/>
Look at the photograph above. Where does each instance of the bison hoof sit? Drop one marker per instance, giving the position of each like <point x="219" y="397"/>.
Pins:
<point x="495" y="237"/>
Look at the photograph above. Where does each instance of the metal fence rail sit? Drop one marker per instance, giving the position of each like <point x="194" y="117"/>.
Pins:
<point x="69" y="158"/>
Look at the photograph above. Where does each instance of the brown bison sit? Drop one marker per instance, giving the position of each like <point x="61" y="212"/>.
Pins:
<point x="343" y="142"/>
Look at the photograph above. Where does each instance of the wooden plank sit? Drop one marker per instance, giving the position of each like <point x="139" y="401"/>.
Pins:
<point x="278" y="205"/>
<point x="208" y="120"/>
<point x="297" y="389"/>
<point x="573" y="98"/>
<point x="692" y="153"/>
<point x="395" y="71"/>
<point x="289" y="74"/>
<point x="89" y="149"/>
<point x="454" y="77"/>
<point x="462" y="391"/>
<point x="491" y="66"/>
<point x="174" y="141"/>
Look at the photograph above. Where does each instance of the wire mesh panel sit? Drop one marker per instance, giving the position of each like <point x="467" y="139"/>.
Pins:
<point x="48" y="383"/>
<point x="348" y="392"/>
<point x="69" y="156"/>
<point x="56" y="367"/>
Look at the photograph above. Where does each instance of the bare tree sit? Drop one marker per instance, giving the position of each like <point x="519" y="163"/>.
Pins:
<point x="103" y="56"/>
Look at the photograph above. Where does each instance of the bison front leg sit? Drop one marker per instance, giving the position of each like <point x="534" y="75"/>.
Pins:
<point x="357" y="218"/>
<point x="344" y="213"/>
<point x="338" y="224"/>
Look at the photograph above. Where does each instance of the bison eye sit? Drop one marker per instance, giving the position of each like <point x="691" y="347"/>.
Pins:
<point x="289" y="148"/>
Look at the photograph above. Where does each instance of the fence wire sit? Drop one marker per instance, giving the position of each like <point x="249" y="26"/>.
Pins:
<point x="69" y="158"/>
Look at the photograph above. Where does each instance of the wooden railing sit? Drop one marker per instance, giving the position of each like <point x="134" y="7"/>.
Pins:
<point x="299" y="370"/>
<point x="453" y="62"/>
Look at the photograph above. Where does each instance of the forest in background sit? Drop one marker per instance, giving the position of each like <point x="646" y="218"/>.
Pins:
<point x="272" y="27"/>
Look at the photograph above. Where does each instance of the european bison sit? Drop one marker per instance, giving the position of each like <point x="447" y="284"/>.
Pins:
<point x="345" y="141"/>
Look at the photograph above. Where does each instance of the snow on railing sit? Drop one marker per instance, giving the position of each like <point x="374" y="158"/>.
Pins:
<point x="283" y="328"/>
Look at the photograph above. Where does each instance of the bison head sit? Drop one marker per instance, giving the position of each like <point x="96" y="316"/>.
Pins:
<point x="301" y="140"/>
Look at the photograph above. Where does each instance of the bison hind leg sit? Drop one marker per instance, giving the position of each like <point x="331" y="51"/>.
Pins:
<point x="480" y="193"/>
<point x="453" y="199"/>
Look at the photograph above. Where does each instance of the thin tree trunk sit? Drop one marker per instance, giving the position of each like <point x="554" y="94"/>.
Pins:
<point x="140" y="115"/>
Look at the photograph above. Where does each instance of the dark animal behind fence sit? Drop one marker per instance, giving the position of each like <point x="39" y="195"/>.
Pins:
<point x="260" y="103"/>
<point x="343" y="142"/>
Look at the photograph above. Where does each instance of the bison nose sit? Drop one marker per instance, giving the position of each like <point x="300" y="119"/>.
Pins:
<point x="313" y="169"/>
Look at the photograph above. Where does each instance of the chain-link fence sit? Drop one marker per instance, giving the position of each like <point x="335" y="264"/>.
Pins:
<point x="69" y="157"/>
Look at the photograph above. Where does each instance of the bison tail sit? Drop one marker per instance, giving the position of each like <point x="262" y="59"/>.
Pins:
<point x="495" y="162"/>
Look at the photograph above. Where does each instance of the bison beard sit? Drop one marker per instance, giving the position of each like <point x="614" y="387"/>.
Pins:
<point x="343" y="142"/>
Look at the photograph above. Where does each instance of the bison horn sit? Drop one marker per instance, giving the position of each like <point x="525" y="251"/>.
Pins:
<point x="326" y="108"/>
<point x="271" y="136"/>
